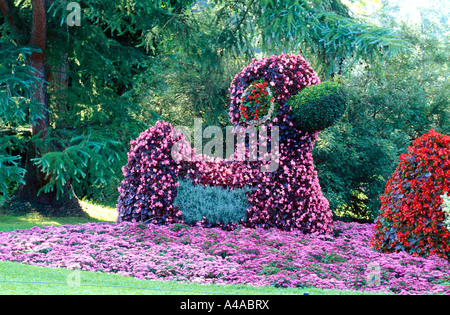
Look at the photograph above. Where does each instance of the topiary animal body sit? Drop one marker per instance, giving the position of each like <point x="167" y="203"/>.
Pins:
<point x="412" y="216"/>
<point x="287" y="198"/>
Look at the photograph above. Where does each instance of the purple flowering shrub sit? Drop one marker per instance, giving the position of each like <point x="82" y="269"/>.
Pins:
<point x="289" y="198"/>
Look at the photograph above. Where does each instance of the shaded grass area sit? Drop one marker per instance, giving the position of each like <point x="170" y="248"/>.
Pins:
<point x="18" y="279"/>
<point x="11" y="220"/>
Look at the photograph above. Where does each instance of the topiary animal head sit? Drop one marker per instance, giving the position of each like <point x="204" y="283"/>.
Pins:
<point x="284" y="90"/>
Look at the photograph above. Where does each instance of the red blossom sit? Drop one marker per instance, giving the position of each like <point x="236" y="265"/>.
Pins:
<point x="411" y="214"/>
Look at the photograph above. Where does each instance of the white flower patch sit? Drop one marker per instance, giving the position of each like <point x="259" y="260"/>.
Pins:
<point x="446" y="209"/>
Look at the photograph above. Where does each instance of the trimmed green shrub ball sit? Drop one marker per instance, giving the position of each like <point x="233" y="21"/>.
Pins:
<point x="318" y="107"/>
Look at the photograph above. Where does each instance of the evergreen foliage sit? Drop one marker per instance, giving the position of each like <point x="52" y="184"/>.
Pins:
<point x="16" y="107"/>
<point x="91" y="70"/>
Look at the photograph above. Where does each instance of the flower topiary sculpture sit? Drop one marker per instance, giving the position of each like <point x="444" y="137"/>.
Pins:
<point x="279" y="91"/>
<point x="413" y="214"/>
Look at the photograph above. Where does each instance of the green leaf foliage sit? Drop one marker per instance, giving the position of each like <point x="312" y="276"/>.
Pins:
<point x="10" y="173"/>
<point x="318" y="107"/>
<point x="16" y="108"/>
<point x="86" y="160"/>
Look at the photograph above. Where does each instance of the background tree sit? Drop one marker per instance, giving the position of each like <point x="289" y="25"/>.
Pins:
<point x="219" y="38"/>
<point x="75" y="83"/>
<point x="133" y="62"/>
<point x="391" y="103"/>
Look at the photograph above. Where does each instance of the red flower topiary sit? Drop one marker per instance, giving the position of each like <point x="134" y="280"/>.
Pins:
<point x="411" y="217"/>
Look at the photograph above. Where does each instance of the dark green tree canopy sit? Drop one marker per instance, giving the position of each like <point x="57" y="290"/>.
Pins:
<point x="71" y="98"/>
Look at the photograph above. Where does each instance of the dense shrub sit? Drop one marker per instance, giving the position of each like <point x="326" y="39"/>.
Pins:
<point x="318" y="107"/>
<point x="412" y="216"/>
<point x="211" y="205"/>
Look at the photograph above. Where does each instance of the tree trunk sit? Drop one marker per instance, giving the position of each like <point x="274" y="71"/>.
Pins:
<point x="35" y="179"/>
<point x="58" y="80"/>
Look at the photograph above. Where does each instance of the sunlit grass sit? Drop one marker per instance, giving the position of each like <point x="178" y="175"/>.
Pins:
<point x="93" y="213"/>
<point x="99" y="212"/>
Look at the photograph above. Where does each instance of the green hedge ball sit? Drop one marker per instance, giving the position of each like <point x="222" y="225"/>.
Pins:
<point x="318" y="107"/>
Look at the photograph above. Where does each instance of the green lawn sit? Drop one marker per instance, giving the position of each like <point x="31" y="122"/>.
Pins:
<point x="93" y="213"/>
<point x="19" y="279"/>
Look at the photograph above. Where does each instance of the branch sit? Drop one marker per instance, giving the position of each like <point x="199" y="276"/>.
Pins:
<point x="12" y="132"/>
<point x="83" y="5"/>
<point x="243" y="18"/>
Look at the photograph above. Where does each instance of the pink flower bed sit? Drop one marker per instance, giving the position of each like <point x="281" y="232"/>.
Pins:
<point x="258" y="257"/>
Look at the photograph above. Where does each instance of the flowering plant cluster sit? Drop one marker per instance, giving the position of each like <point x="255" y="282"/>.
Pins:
<point x="285" y="74"/>
<point x="257" y="257"/>
<point x="289" y="198"/>
<point x="412" y="218"/>
<point x="257" y="104"/>
<point x="150" y="182"/>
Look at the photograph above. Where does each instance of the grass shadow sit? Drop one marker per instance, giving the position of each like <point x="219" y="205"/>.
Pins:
<point x="25" y="217"/>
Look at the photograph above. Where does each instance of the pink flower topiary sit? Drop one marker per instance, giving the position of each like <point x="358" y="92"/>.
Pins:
<point x="150" y="178"/>
<point x="288" y="198"/>
<point x="286" y="74"/>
